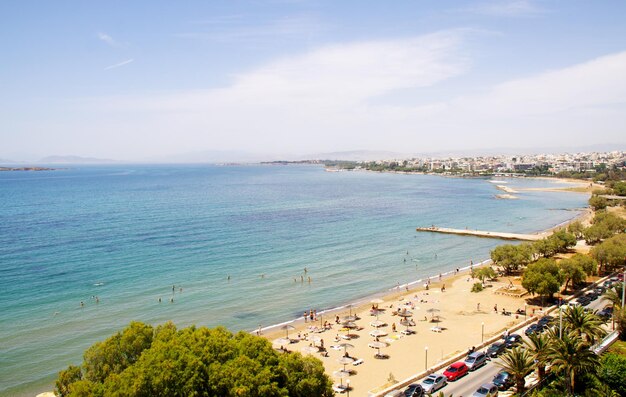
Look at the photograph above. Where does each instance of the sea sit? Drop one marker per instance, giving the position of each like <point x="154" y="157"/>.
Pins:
<point x="84" y="250"/>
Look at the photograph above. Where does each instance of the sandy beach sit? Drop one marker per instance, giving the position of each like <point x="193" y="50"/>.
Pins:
<point x="447" y="319"/>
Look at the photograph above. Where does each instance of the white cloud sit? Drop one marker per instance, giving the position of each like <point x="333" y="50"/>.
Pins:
<point x="117" y="65"/>
<point x="506" y="8"/>
<point x="107" y="39"/>
<point x="336" y="97"/>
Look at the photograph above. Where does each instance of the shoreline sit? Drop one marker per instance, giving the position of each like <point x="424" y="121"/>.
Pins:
<point x="357" y="304"/>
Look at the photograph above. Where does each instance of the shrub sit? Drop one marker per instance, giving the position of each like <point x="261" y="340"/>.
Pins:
<point x="477" y="287"/>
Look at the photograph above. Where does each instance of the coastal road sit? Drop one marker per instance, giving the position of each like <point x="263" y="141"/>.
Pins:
<point x="467" y="385"/>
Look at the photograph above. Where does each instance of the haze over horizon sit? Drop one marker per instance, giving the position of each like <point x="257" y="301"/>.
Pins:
<point x="144" y="81"/>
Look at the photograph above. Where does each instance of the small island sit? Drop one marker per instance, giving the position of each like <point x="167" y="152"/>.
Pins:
<point x="27" y="169"/>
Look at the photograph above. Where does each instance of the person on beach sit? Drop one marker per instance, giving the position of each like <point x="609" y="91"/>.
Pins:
<point x="478" y="306"/>
<point x="305" y="270"/>
<point x="393" y="327"/>
<point x="443" y="288"/>
<point x="337" y="319"/>
<point x="495" y="308"/>
<point x="305" y="316"/>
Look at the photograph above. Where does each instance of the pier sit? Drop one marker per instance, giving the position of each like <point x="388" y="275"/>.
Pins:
<point x="485" y="234"/>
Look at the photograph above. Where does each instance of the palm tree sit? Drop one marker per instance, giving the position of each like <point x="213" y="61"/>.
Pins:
<point x="579" y="322"/>
<point x="614" y="295"/>
<point x="603" y="390"/>
<point x="571" y="355"/>
<point x="538" y="345"/>
<point x="519" y="363"/>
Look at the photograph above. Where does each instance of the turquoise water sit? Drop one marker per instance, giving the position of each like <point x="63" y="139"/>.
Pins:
<point x="127" y="234"/>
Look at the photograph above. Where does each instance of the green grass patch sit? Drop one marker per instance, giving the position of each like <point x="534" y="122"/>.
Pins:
<point x="618" y="347"/>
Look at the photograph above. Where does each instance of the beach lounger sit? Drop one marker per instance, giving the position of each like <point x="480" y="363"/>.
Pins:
<point x="358" y="362"/>
<point x="436" y="329"/>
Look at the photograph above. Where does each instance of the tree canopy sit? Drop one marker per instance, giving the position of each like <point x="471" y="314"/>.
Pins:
<point x="542" y="277"/>
<point x="164" y="361"/>
<point x="611" y="253"/>
<point x="511" y="257"/>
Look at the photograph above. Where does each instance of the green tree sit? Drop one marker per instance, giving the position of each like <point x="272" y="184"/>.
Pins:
<point x="117" y="352"/>
<point x="571" y="356"/>
<point x="483" y="273"/>
<point x="598" y="203"/>
<point x="511" y="257"/>
<point x="542" y="277"/>
<point x="619" y="188"/>
<point x="572" y="271"/>
<point x="596" y="233"/>
<point x="611" y="253"/>
<point x="66" y="378"/>
<point x="538" y="345"/>
<point x="579" y="322"/>
<point x="199" y="362"/>
<point x="612" y="372"/>
<point x="519" y="363"/>
<point x="576" y="228"/>
<point x="612" y="222"/>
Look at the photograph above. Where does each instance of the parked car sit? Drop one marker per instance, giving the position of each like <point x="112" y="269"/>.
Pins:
<point x="512" y="340"/>
<point x="495" y="349"/>
<point x="503" y="380"/>
<point x="486" y="390"/>
<point x="545" y="320"/>
<point x="455" y="371"/>
<point x="433" y="383"/>
<point x="606" y="313"/>
<point x="414" y="390"/>
<point x="475" y="360"/>
<point x="534" y="329"/>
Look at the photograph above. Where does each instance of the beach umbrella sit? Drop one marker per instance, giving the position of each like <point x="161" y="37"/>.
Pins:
<point x="432" y="311"/>
<point x="405" y="313"/>
<point x="378" y="323"/>
<point x="378" y="333"/>
<point x="287" y="327"/>
<point x="341" y="374"/>
<point x="315" y="338"/>
<point x="377" y="301"/>
<point x="281" y="341"/>
<point x="349" y="324"/>
<point x="310" y="349"/>
<point x="346" y="346"/>
<point x="344" y="360"/>
<point x="377" y="345"/>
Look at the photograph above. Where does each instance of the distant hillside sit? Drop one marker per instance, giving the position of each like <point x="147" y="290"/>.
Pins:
<point x="74" y="160"/>
<point x="357" y="155"/>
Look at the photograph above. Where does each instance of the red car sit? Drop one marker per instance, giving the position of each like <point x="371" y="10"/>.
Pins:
<point x="455" y="371"/>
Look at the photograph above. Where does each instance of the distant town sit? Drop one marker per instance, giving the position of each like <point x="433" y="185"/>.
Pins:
<point x="594" y="165"/>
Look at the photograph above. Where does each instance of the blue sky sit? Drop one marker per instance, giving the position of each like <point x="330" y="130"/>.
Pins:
<point x="140" y="80"/>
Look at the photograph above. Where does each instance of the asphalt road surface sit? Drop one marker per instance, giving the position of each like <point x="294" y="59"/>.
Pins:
<point x="467" y="385"/>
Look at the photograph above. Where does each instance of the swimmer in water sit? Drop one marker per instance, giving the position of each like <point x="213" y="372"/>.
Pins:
<point x="159" y="300"/>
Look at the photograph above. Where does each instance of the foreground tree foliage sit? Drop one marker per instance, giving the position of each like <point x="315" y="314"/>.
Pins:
<point x="612" y="372"/>
<point x="143" y="361"/>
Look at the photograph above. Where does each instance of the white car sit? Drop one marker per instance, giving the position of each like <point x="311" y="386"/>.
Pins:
<point x="433" y="383"/>
<point x="486" y="390"/>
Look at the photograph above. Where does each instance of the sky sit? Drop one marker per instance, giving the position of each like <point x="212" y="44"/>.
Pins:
<point x="145" y="80"/>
